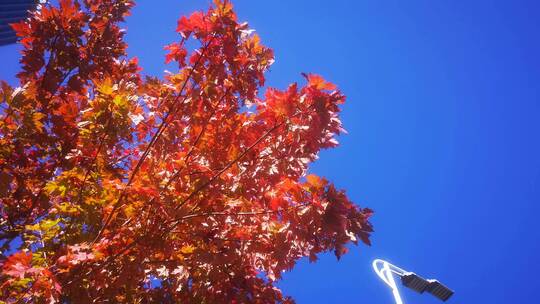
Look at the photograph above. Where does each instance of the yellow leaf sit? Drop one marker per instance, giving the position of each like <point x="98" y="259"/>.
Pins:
<point x="187" y="249"/>
<point x="62" y="189"/>
<point x="70" y="209"/>
<point x="105" y="87"/>
<point x="120" y="100"/>
<point x="129" y="211"/>
<point x="50" y="187"/>
<point x="34" y="227"/>
<point x="36" y="118"/>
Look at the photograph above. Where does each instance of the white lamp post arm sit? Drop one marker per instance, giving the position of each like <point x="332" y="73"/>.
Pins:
<point x="385" y="273"/>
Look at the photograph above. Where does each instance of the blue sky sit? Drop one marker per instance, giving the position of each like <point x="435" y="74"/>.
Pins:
<point x="443" y="116"/>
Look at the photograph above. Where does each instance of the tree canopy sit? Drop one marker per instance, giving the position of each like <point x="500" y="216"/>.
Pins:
<point x="189" y="188"/>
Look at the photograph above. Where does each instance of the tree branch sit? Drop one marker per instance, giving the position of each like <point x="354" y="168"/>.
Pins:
<point x="158" y="133"/>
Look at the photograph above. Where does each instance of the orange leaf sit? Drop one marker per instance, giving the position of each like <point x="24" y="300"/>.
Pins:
<point x="318" y="82"/>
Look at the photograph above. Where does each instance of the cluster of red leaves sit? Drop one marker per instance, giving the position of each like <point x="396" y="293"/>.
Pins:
<point x="113" y="182"/>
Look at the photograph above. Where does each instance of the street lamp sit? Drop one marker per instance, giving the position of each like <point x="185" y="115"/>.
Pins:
<point x="411" y="280"/>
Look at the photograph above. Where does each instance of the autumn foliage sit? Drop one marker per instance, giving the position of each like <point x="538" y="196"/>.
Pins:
<point x="190" y="188"/>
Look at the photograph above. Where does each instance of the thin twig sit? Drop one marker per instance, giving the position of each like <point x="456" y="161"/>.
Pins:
<point x="158" y="133"/>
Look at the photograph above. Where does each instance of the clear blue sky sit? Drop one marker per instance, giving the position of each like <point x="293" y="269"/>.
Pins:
<point x="443" y="116"/>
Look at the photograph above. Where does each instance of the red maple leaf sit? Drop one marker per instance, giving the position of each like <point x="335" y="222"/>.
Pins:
<point x="18" y="264"/>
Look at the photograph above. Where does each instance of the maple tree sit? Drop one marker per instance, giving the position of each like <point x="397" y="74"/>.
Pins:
<point x="191" y="188"/>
